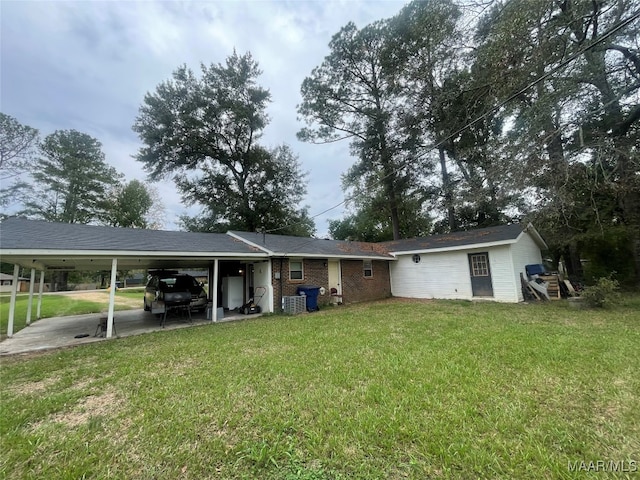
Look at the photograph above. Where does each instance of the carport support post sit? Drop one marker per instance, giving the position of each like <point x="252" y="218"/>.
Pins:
<point x="30" y="304"/>
<point x="214" y="296"/>
<point x="112" y="297"/>
<point x="39" y="307"/>
<point x="12" y="302"/>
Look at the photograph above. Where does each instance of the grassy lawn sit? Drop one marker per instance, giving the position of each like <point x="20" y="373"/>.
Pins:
<point x="393" y="389"/>
<point x="64" y="305"/>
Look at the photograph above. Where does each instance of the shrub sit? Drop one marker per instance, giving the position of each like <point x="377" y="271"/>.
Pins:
<point x="604" y="293"/>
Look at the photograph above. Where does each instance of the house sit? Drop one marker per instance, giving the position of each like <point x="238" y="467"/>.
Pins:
<point x="483" y="263"/>
<point x="477" y="264"/>
<point x="6" y="283"/>
<point x="357" y="271"/>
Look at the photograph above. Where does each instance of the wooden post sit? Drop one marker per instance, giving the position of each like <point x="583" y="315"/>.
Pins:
<point x="214" y="299"/>
<point x="112" y="297"/>
<point x="39" y="307"/>
<point x="31" y="285"/>
<point x="12" y="302"/>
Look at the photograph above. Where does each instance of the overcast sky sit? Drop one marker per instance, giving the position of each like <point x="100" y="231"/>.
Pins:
<point x="86" y="65"/>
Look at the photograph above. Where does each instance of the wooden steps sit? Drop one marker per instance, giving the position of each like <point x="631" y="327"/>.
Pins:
<point x="553" y="290"/>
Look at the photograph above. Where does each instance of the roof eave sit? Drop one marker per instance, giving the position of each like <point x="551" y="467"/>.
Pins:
<point x="333" y="256"/>
<point x="531" y="230"/>
<point x="123" y="253"/>
<point x="468" y="246"/>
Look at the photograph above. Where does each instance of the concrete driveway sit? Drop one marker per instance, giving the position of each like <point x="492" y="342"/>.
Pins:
<point x="57" y="332"/>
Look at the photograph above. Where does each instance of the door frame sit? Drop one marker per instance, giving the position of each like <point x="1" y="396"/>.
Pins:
<point x="483" y="287"/>
<point x="334" y="282"/>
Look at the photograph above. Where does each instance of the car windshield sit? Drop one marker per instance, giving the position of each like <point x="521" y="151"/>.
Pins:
<point x="180" y="282"/>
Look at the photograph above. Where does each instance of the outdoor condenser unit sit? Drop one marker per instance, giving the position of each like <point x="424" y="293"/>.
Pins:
<point x="294" y="305"/>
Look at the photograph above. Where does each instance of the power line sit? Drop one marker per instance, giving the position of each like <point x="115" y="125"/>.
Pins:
<point x="622" y="24"/>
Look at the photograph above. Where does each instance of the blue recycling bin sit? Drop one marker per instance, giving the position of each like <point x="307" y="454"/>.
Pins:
<point x="311" y="292"/>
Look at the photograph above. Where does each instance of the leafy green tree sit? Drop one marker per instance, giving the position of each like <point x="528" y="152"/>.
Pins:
<point x="269" y="198"/>
<point x="425" y="42"/>
<point x="203" y="132"/>
<point x="133" y="205"/>
<point x="71" y="180"/>
<point x="17" y="146"/>
<point x="583" y="109"/>
<point x="354" y="95"/>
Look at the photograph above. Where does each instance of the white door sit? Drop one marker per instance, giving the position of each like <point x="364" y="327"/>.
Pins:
<point x="334" y="276"/>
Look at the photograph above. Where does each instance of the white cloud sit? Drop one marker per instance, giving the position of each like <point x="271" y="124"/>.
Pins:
<point x="86" y="65"/>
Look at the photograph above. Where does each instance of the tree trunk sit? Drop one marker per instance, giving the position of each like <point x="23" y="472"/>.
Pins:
<point x="571" y="256"/>
<point x="393" y="204"/>
<point x="448" y="194"/>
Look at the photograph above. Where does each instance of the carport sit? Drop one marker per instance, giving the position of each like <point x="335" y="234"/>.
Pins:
<point x="45" y="246"/>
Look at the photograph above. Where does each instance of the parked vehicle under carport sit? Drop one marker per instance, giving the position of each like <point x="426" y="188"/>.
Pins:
<point x="175" y="289"/>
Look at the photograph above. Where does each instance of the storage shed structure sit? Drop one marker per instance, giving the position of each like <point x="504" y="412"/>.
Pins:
<point x="477" y="264"/>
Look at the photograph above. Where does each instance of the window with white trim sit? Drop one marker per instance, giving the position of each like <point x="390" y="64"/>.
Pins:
<point x="367" y="266"/>
<point x="479" y="265"/>
<point x="296" y="270"/>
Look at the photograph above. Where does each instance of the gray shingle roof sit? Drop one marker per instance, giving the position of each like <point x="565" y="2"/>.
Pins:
<point x="305" y="246"/>
<point x="19" y="233"/>
<point x="23" y="234"/>
<point x="501" y="233"/>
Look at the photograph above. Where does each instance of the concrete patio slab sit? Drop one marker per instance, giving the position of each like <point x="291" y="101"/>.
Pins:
<point x="57" y="332"/>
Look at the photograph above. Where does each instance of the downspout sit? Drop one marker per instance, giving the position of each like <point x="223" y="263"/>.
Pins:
<point x="280" y="300"/>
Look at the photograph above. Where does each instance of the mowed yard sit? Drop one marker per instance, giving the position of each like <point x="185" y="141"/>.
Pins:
<point x="391" y="389"/>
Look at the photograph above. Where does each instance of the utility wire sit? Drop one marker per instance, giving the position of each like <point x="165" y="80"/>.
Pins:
<point x="622" y="24"/>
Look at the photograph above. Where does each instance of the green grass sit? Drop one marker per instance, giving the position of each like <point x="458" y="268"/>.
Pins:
<point x="58" y="306"/>
<point x="394" y="389"/>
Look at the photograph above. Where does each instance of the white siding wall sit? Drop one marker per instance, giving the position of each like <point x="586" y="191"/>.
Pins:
<point x="438" y="275"/>
<point x="262" y="278"/>
<point x="446" y="275"/>
<point x="504" y="286"/>
<point x="524" y="252"/>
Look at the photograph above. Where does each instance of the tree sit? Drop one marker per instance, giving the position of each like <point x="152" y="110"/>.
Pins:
<point x="269" y="198"/>
<point x="577" y="128"/>
<point x="133" y="205"/>
<point x="71" y="179"/>
<point x="17" y="145"/>
<point x="425" y="45"/>
<point x="353" y="95"/>
<point x="204" y="131"/>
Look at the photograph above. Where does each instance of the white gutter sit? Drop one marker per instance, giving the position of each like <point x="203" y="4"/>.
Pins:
<point x="470" y="246"/>
<point x="123" y="253"/>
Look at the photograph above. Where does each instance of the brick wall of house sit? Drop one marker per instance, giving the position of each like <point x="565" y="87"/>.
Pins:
<point x="355" y="287"/>
<point x="315" y="273"/>
<point x="358" y="288"/>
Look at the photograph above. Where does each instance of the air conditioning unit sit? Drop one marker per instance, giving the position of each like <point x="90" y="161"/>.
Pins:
<point x="295" y="304"/>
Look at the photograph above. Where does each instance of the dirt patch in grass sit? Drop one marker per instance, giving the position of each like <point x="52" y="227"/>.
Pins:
<point x="30" y="388"/>
<point x="103" y="297"/>
<point x="106" y="403"/>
